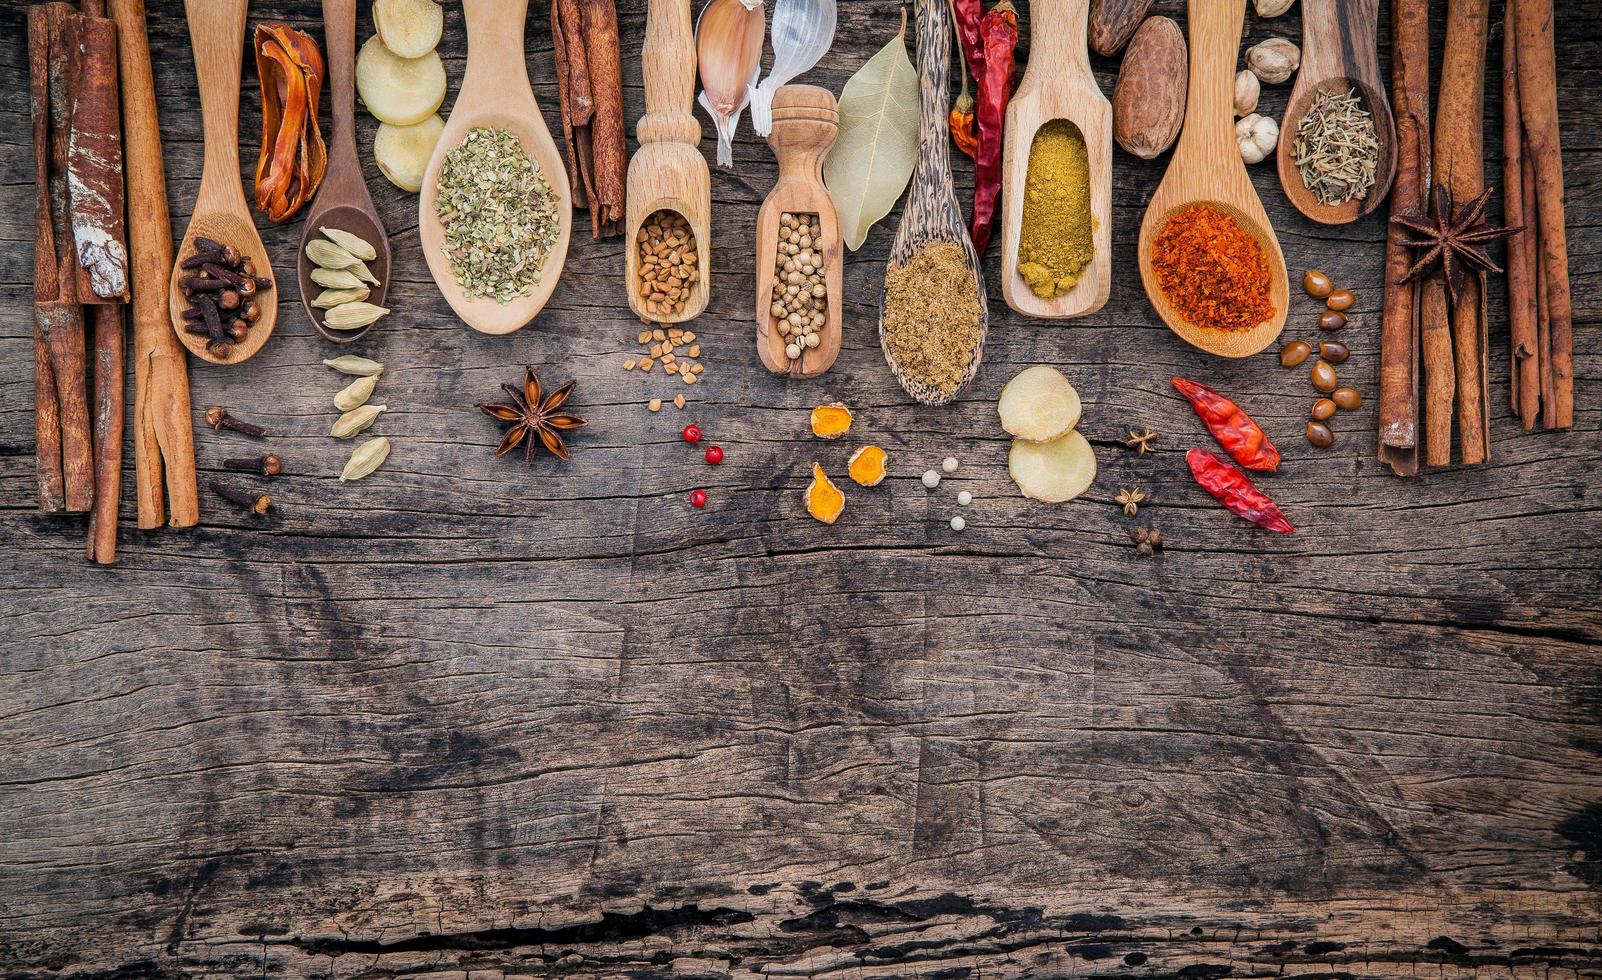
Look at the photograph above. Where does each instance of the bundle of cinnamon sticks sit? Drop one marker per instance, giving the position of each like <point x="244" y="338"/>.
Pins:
<point x="1539" y="310"/>
<point x="1435" y="338"/>
<point x="589" y="82"/>
<point x="82" y="261"/>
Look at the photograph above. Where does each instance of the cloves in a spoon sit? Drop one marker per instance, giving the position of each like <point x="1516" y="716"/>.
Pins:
<point x="218" y="418"/>
<point x="255" y="503"/>
<point x="267" y="464"/>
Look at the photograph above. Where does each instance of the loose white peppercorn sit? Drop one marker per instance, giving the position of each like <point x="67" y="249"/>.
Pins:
<point x="957" y="523"/>
<point x="964" y="499"/>
<point x="931" y="479"/>
<point x="949" y="464"/>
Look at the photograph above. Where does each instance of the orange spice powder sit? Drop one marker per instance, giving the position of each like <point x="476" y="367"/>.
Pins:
<point x="1212" y="271"/>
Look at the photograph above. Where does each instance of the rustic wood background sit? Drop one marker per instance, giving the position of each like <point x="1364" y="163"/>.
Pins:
<point x="467" y="718"/>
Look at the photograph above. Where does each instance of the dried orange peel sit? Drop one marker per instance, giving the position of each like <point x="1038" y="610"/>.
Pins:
<point x="823" y="499"/>
<point x="867" y="466"/>
<point x="831" y="421"/>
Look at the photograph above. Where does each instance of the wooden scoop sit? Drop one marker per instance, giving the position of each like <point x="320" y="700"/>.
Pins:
<point x="495" y="93"/>
<point x="931" y="213"/>
<point x="1338" y="55"/>
<point x="805" y="124"/>
<point x="1058" y="85"/>
<point x="1206" y="168"/>
<point x="217" y="34"/>
<point x="342" y="201"/>
<point x="668" y="172"/>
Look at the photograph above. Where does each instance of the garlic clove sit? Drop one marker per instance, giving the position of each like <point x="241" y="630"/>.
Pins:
<point x="728" y="42"/>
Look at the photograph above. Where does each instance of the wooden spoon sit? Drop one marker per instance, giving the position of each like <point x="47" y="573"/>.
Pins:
<point x="1206" y="168"/>
<point x="217" y="34"/>
<point x="343" y="202"/>
<point x="1058" y="85"/>
<point x="931" y="213"/>
<point x="805" y="124"/>
<point x="1338" y="55"/>
<point x="495" y="93"/>
<point x="668" y="172"/>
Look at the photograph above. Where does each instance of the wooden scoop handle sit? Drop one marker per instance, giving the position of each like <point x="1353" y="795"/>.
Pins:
<point x="668" y="59"/>
<point x="805" y="125"/>
<point x="1060" y="27"/>
<point x="1210" y="103"/>
<point x="217" y="32"/>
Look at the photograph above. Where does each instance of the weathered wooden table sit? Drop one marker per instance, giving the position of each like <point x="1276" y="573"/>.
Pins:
<point x="470" y="718"/>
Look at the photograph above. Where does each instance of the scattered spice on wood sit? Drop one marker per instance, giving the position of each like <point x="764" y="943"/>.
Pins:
<point x="218" y="418"/>
<point x="367" y="457"/>
<point x="1129" y="498"/>
<point x="1336" y="150"/>
<point x="1211" y="270"/>
<point x="932" y="317"/>
<point x="537" y="418"/>
<point x="257" y="503"/>
<point x="1054" y="241"/>
<point x="1147" y="541"/>
<point x="293" y="156"/>
<point x="589" y="84"/>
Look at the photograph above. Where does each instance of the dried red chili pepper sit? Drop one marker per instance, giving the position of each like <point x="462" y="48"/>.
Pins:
<point x="1241" y="437"/>
<point x="965" y="16"/>
<point x="999" y="31"/>
<point x="1235" y="490"/>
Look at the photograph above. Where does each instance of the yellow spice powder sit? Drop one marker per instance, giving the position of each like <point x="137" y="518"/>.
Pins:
<point x="1054" y="245"/>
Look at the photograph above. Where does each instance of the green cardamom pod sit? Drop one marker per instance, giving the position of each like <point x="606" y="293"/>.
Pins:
<point x="330" y="298"/>
<point x="335" y="278"/>
<point x="354" y="244"/>
<point x="360" y="271"/>
<point x="351" y="364"/>
<point x="328" y="255"/>
<point x="356" y="420"/>
<point x="355" y="394"/>
<point x="353" y="316"/>
<point x="367" y="458"/>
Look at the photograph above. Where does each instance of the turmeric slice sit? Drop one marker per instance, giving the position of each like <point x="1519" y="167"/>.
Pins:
<point x="867" y="466"/>
<point x="823" y="499"/>
<point x="831" y="421"/>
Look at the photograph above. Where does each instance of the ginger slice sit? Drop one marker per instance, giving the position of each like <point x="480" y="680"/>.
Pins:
<point x="831" y="421"/>
<point x="1038" y="404"/>
<point x="867" y="466"/>
<point x="823" y="499"/>
<point x="1052" y="472"/>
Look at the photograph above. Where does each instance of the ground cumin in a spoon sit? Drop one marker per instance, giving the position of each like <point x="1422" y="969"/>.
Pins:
<point x="932" y="316"/>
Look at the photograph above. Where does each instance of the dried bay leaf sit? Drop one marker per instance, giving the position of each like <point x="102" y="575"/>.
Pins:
<point x="872" y="160"/>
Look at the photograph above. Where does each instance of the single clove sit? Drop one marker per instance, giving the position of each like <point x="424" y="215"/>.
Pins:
<point x="255" y="503"/>
<point x="267" y="465"/>
<point x="218" y="418"/>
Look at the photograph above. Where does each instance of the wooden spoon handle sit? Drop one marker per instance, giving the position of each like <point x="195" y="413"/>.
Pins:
<point x="668" y="59"/>
<point x="495" y="66"/>
<point x="934" y="99"/>
<point x="1210" y="103"/>
<point x="1338" y="41"/>
<point x="217" y="33"/>
<point x="339" y="36"/>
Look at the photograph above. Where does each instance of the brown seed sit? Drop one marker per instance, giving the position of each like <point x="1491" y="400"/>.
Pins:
<point x="1295" y="353"/>
<point x="654" y="404"/>
<point x="1334" y="351"/>
<point x="1320" y="434"/>
<point x="1324" y="378"/>
<point x="1324" y="410"/>
<point x="678" y="401"/>
<point x="1341" y="300"/>
<point x="1347" y="398"/>
<point x="628" y="365"/>
<point x="1317" y="284"/>
<point x="1332" y="320"/>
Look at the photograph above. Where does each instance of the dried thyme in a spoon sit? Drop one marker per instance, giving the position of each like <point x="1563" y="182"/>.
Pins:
<point x="498" y="212"/>
<point x="1336" y="149"/>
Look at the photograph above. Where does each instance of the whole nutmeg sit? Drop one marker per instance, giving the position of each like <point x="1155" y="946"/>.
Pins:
<point x="1247" y="89"/>
<point x="1272" y="8"/>
<point x="1148" y="103"/>
<point x="1274" y="60"/>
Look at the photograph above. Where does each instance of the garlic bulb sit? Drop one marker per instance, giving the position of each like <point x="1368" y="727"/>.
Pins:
<point x="1274" y="60"/>
<point x="1247" y="88"/>
<point x="1257" y="136"/>
<point x="728" y="49"/>
<point x="1272" y="8"/>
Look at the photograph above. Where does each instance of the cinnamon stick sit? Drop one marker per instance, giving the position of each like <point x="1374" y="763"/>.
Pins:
<point x="61" y="319"/>
<point x="1440" y="377"/>
<point x="94" y="164"/>
<point x="164" y="448"/>
<point x="1399" y="333"/>
<point x="1538" y="103"/>
<point x="46" y="406"/>
<point x="1524" y="371"/>
<point x="590" y="89"/>
<point x="1460" y="166"/>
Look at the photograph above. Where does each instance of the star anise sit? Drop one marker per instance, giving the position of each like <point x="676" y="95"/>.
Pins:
<point x="535" y="419"/>
<point x="1129" y="498"/>
<point x="1454" y="239"/>
<point x="1140" y="440"/>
